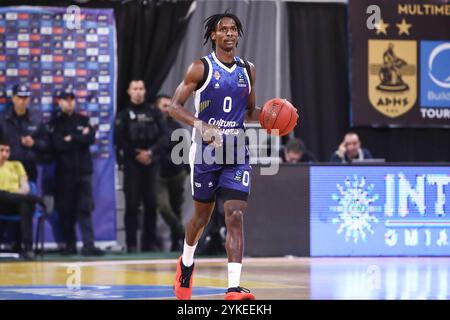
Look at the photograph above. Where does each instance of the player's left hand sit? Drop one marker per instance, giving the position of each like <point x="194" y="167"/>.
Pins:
<point x="212" y="135"/>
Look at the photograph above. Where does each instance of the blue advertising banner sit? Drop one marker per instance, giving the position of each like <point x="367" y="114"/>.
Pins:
<point x="51" y="48"/>
<point x="380" y="211"/>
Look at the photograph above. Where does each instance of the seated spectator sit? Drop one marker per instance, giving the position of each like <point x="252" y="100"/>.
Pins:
<point x="350" y="149"/>
<point x="15" y="198"/>
<point x="295" y="152"/>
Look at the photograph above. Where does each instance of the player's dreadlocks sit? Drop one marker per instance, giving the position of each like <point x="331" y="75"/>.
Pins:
<point x="211" y="24"/>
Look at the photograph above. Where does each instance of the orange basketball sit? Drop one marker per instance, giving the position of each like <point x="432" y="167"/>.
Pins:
<point x="278" y="114"/>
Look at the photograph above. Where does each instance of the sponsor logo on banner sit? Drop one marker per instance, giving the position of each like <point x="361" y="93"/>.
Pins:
<point x="47" y="79"/>
<point x="46" y="30"/>
<point x="23" y="51"/>
<point x="11" y="16"/>
<point x="46" y="100"/>
<point x="103" y="31"/>
<point x="103" y="58"/>
<point x="12" y="72"/>
<point x="92" y="51"/>
<point x="35" y="37"/>
<point x="92" y="38"/>
<point x="104" y="127"/>
<point x="104" y="79"/>
<point x="23" y="37"/>
<point x="435" y="74"/>
<point x="104" y="100"/>
<point x="92" y="86"/>
<point x="69" y="44"/>
<point x="12" y="44"/>
<point x="46" y="58"/>
<point x="392" y="76"/>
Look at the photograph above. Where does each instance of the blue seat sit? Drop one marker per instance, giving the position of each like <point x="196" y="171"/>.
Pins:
<point x="40" y="214"/>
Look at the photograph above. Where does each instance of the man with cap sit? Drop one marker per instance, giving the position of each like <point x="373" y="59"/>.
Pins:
<point x="27" y="137"/>
<point x="72" y="136"/>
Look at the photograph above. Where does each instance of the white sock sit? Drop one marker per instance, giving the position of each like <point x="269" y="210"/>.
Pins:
<point x="188" y="254"/>
<point x="234" y="274"/>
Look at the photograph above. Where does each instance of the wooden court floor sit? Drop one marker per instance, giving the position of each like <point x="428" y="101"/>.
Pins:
<point x="268" y="278"/>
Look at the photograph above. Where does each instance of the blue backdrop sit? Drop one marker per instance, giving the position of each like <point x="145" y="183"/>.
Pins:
<point x="50" y="48"/>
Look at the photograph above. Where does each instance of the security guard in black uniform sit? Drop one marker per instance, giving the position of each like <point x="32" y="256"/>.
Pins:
<point x="140" y="137"/>
<point x="26" y="135"/>
<point x="27" y="138"/>
<point x="71" y="137"/>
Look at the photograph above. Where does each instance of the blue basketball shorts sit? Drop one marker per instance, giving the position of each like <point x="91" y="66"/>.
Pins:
<point x="209" y="178"/>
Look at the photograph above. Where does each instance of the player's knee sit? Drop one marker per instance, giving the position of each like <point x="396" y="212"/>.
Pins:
<point x="235" y="218"/>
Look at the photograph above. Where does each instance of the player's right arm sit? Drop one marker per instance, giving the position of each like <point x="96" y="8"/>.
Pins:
<point x="193" y="77"/>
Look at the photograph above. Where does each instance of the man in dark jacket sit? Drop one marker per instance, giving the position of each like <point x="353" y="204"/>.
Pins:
<point x="296" y="152"/>
<point x="140" y="139"/>
<point x="350" y="149"/>
<point x="171" y="179"/>
<point x="72" y="136"/>
<point x="26" y="136"/>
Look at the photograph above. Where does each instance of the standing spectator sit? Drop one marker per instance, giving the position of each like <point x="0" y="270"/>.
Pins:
<point x="171" y="179"/>
<point x="295" y="152"/>
<point x="141" y="137"/>
<point x="350" y="149"/>
<point x="71" y="136"/>
<point x="26" y="136"/>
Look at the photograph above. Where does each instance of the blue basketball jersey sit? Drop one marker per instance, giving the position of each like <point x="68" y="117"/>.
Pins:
<point x="223" y="98"/>
<point x="221" y="101"/>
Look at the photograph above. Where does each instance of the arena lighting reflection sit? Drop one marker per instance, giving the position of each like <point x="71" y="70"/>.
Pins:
<point x="384" y="278"/>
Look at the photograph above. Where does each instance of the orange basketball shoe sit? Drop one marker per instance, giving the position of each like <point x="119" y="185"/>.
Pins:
<point x="239" y="293"/>
<point x="183" y="281"/>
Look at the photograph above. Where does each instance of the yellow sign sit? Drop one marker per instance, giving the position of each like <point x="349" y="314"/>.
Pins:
<point x="392" y="76"/>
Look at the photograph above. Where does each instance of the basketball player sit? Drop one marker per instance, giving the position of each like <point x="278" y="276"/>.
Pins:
<point x="224" y="97"/>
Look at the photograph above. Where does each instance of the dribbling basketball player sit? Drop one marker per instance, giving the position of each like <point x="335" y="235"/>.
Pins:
<point x="224" y="87"/>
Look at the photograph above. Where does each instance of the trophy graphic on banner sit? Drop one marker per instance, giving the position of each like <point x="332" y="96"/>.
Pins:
<point x="390" y="72"/>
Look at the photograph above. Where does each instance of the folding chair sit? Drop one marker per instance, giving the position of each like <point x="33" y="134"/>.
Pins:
<point x="40" y="214"/>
